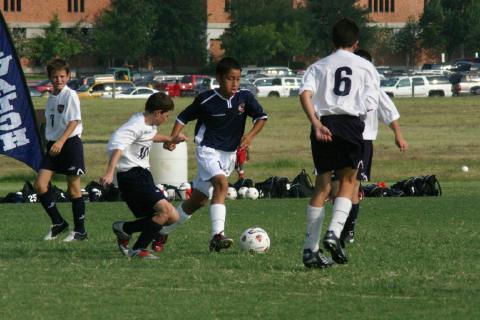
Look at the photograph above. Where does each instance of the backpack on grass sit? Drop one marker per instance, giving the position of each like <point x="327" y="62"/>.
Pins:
<point x="419" y="186"/>
<point x="301" y="186"/>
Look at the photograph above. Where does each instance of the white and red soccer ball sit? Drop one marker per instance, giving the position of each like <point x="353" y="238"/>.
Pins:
<point x="255" y="240"/>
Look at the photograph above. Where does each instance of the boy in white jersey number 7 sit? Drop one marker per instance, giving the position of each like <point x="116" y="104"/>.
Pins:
<point x="64" y="153"/>
<point x="129" y="149"/>
<point x="221" y="115"/>
<point x="336" y="94"/>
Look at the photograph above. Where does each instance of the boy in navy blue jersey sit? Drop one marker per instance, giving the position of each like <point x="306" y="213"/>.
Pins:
<point x="64" y="153"/>
<point x="221" y="116"/>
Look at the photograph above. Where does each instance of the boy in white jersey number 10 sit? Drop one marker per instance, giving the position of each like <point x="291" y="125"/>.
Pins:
<point x="221" y="116"/>
<point x="129" y="149"/>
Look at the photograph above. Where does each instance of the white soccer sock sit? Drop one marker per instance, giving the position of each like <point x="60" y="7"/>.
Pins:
<point x="218" y="213"/>
<point x="183" y="217"/>
<point x="315" y="217"/>
<point x="341" y="208"/>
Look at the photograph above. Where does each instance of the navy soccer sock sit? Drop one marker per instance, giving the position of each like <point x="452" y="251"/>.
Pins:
<point x="150" y="230"/>
<point x="78" y="209"/>
<point x="50" y="206"/>
<point x="352" y="219"/>
<point x="135" y="225"/>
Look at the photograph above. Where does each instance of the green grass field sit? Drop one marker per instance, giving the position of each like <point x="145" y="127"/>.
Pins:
<point x="414" y="258"/>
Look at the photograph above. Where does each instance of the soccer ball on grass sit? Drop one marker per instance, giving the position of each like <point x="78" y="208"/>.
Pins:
<point x="254" y="240"/>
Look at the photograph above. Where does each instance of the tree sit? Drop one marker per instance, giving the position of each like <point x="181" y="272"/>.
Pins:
<point x="253" y="44"/>
<point x="124" y="31"/>
<point x="407" y="41"/>
<point x="323" y="14"/>
<point x="265" y="31"/>
<point x="180" y="31"/>
<point x="431" y="27"/>
<point x="451" y="26"/>
<point x="54" y="43"/>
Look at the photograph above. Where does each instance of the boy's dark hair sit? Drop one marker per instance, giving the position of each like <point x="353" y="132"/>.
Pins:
<point x="225" y="65"/>
<point x="159" y="101"/>
<point x="345" y="33"/>
<point x="57" y="64"/>
<point x="364" y="54"/>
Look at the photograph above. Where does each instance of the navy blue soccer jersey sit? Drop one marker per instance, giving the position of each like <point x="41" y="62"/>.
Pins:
<point x="220" y="121"/>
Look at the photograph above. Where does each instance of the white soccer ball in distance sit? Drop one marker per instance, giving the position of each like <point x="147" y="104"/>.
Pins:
<point x="231" y="193"/>
<point x="252" y="193"/>
<point x="242" y="192"/>
<point x="254" y="240"/>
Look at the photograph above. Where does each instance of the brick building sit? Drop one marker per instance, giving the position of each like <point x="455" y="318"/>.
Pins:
<point x="28" y="17"/>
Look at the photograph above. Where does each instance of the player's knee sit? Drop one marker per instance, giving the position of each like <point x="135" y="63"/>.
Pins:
<point x="40" y="187"/>
<point x="165" y="212"/>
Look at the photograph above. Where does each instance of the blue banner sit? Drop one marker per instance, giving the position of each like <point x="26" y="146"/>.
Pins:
<point x="19" y="135"/>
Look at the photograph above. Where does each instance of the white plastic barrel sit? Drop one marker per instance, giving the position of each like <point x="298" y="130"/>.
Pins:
<point x="169" y="167"/>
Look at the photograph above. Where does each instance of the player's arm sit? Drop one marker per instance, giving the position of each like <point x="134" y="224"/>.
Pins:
<point x="322" y="133"/>
<point x="388" y="113"/>
<point x="107" y="179"/>
<point x="399" y="140"/>
<point x="176" y="132"/>
<point x="179" y="137"/>
<point x="248" y="138"/>
<point x="58" y="145"/>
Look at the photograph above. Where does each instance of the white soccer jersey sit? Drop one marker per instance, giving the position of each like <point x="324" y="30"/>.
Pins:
<point x="342" y="83"/>
<point x="386" y="112"/>
<point x="135" y="139"/>
<point x="59" y="111"/>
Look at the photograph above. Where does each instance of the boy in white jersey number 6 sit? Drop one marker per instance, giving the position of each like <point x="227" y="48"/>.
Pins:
<point x="221" y="115"/>
<point x="64" y="153"/>
<point x="336" y="94"/>
<point x="129" y="149"/>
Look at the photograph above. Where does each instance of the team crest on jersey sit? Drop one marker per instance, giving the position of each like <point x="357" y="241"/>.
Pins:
<point x="241" y="108"/>
<point x="60" y="108"/>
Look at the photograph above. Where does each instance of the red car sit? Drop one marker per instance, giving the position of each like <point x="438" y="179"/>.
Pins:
<point x="188" y="83"/>
<point x="43" y="86"/>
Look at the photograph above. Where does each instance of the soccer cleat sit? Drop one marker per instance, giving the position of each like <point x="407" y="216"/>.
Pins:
<point x="159" y="243"/>
<point x="219" y="242"/>
<point x="55" y="230"/>
<point x="75" y="236"/>
<point x="316" y="259"/>
<point x="333" y="245"/>
<point x="123" y="238"/>
<point x="141" y="253"/>
<point x="347" y="237"/>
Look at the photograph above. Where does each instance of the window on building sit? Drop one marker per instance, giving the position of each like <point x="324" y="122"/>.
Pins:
<point x="387" y="5"/>
<point x="227" y="5"/>
<point x="76" y="5"/>
<point x="12" y="5"/>
<point x="375" y="6"/>
<point x="370" y="5"/>
<point x="392" y="5"/>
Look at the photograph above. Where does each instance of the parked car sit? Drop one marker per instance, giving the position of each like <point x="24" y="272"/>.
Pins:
<point x="277" y="87"/>
<point x="99" y="89"/>
<point x="133" y="93"/>
<point x="188" y="83"/>
<point x="44" y="86"/>
<point x="34" y="92"/>
<point x="423" y="86"/>
<point x="467" y="82"/>
<point x="212" y="83"/>
<point x="475" y="90"/>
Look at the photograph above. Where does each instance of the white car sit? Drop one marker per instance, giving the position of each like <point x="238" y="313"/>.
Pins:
<point x="277" y="87"/>
<point x="417" y="86"/>
<point x="133" y="93"/>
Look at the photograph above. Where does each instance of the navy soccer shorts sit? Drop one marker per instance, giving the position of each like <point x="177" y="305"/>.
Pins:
<point x="138" y="190"/>
<point x="345" y="149"/>
<point x="69" y="161"/>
